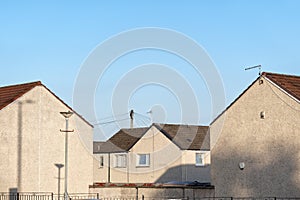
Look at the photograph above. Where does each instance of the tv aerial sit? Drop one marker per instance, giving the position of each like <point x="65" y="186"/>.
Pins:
<point x="253" y="67"/>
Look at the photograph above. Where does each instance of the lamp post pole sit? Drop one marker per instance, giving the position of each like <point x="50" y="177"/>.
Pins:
<point x="67" y="115"/>
<point x="66" y="159"/>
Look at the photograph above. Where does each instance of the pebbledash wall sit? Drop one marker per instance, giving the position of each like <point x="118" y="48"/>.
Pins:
<point x="31" y="146"/>
<point x="268" y="146"/>
<point x="167" y="163"/>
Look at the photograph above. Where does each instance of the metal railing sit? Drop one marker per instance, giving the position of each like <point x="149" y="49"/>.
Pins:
<point x="217" y="198"/>
<point x="26" y="196"/>
<point x="119" y="198"/>
<point x="247" y="198"/>
<point x="46" y="196"/>
<point x="84" y="196"/>
<point x="97" y="196"/>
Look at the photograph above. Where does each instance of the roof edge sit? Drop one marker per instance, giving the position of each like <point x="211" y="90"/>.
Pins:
<point x="39" y="83"/>
<point x="156" y="125"/>
<point x="34" y="84"/>
<point x="235" y="100"/>
<point x="166" y="134"/>
<point x="284" y="90"/>
<point x="19" y="84"/>
<point x="71" y="109"/>
<point x="147" y="129"/>
<point x="263" y="74"/>
<point x="272" y="73"/>
<point x="191" y="125"/>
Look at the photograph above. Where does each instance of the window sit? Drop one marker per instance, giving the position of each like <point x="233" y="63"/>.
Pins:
<point x="101" y="162"/>
<point x="120" y="160"/>
<point x="200" y="159"/>
<point x="143" y="160"/>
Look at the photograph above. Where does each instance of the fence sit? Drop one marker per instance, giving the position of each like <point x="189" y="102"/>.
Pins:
<point x="47" y="196"/>
<point x="26" y="196"/>
<point x="222" y="198"/>
<point x="96" y="196"/>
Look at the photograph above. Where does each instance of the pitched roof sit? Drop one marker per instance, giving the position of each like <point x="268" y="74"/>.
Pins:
<point x="9" y="94"/>
<point x="289" y="83"/>
<point x="186" y="137"/>
<point x="122" y="141"/>
<point x="97" y="145"/>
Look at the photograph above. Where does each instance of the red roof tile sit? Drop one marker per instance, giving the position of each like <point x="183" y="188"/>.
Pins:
<point x="9" y="94"/>
<point x="289" y="83"/>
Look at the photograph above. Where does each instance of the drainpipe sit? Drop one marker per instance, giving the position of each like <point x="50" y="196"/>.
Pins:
<point x="108" y="174"/>
<point x="137" y="193"/>
<point x="127" y="165"/>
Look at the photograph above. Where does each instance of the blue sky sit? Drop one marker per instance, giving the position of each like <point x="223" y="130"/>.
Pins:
<point x="50" y="40"/>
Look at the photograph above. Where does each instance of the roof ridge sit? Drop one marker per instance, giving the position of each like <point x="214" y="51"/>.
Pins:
<point x="281" y="74"/>
<point x="265" y="75"/>
<point x="134" y="128"/>
<point x="63" y="102"/>
<point x="23" y="88"/>
<point x="35" y="83"/>
<point x="288" y="83"/>
<point x="194" y="125"/>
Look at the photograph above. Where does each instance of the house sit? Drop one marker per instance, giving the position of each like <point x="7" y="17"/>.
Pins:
<point x="32" y="147"/>
<point x="255" y="142"/>
<point x="161" y="153"/>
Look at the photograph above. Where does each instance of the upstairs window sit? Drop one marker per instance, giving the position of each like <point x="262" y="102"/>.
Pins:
<point x="200" y="159"/>
<point x="120" y="160"/>
<point x="143" y="160"/>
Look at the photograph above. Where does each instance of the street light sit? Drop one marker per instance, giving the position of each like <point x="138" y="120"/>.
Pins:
<point x="66" y="115"/>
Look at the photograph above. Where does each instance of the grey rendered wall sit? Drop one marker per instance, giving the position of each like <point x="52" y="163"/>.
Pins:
<point x="31" y="144"/>
<point x="269" y="147"/>
<point x="167" y="163"/>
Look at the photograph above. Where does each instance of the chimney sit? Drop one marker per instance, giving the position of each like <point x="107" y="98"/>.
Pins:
<point x="131" y="118"/>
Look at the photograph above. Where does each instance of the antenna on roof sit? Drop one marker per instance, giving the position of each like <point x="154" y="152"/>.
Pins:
<point x="150" y="113"/>
<point x="257" y="66"/>
<point x="131" y="114"/>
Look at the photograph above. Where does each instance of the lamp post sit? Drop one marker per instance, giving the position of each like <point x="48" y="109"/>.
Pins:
<point x="66" y="115"/>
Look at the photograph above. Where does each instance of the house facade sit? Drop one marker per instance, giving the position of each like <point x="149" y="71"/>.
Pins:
<point x="162" y="153"/>
<point x="32" y="147"/>
<point x="255" y="142"/>
<point x="252" y="149"/>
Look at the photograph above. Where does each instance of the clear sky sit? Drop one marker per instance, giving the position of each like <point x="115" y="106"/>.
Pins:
<point x="50" y="40"/>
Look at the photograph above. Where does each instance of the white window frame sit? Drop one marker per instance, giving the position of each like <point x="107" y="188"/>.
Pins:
<point x="147" y="161"/>
<point x="202" y="158"/>
<point x="120" y="160"/>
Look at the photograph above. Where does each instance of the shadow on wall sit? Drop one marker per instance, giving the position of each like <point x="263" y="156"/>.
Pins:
<point x="19" y="141"/>
<point x="184" y="173"/>
<point x="274" y="173"/>
<point x="59" y="166"/>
